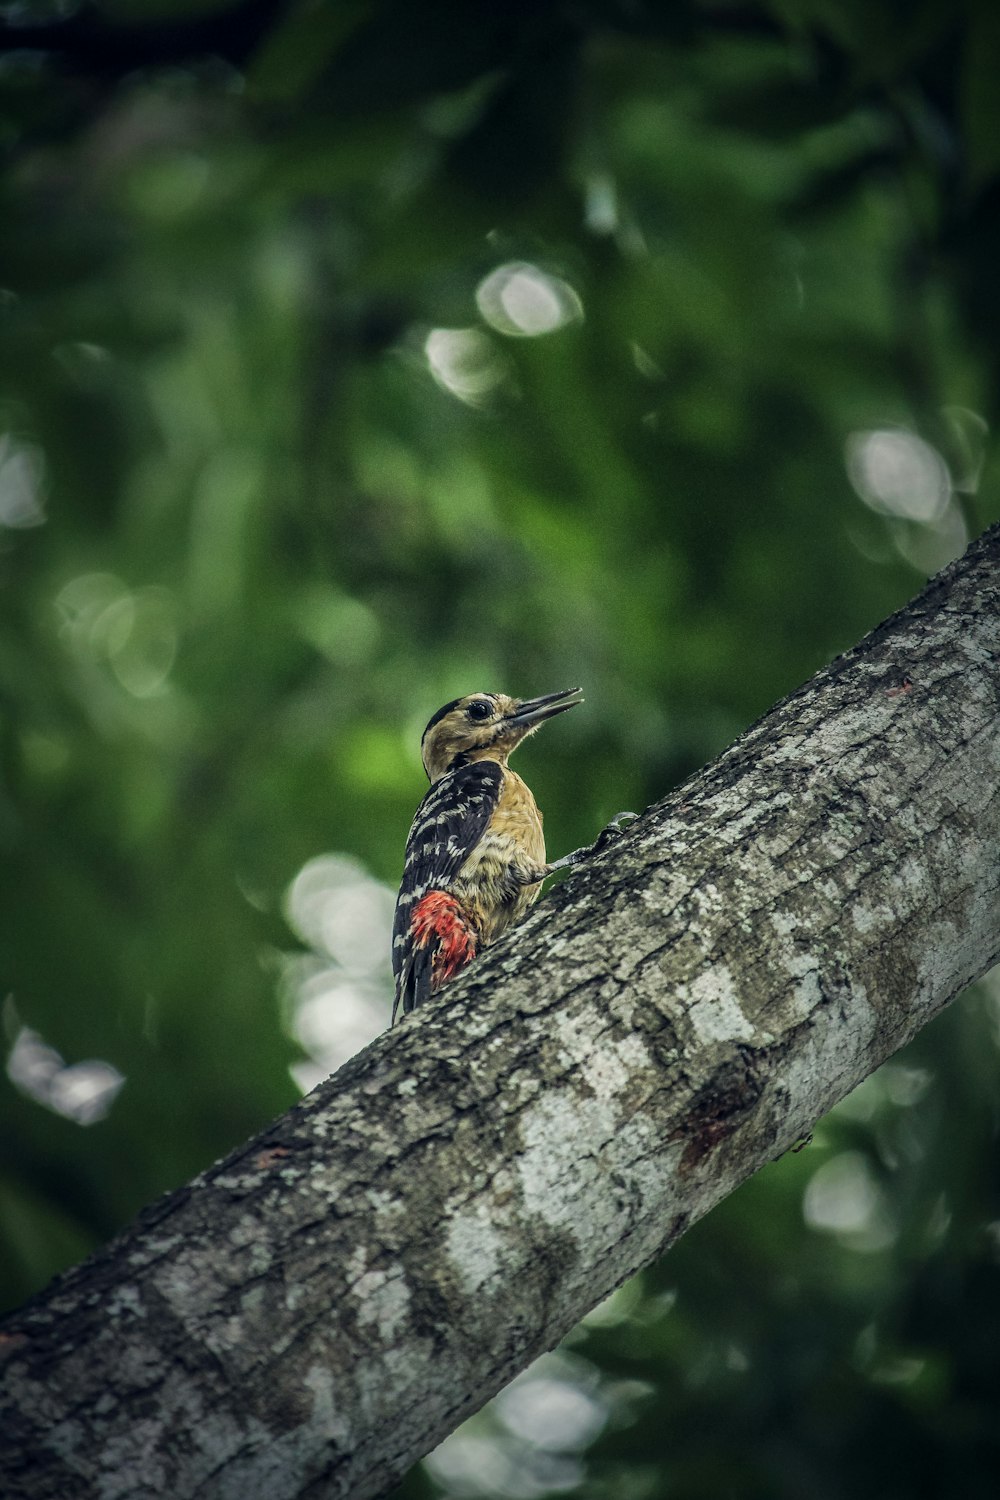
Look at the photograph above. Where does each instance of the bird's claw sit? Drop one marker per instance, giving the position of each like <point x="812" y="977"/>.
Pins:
<point x="607" y="834"/>
<point x="611" y="831"/>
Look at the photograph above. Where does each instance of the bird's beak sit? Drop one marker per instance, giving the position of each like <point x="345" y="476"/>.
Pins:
<point x="533" y="710"/>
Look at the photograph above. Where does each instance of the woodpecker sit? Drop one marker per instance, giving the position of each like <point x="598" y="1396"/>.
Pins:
<point x="475" y="855"/>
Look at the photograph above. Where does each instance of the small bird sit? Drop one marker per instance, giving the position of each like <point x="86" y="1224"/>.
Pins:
<point x="475" y="855"/>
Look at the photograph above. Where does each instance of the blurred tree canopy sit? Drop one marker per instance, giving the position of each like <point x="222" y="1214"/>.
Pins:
<point x="354" y="356"/>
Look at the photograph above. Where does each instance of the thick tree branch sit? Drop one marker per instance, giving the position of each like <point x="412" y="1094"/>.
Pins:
<point x="314" y="1313"/>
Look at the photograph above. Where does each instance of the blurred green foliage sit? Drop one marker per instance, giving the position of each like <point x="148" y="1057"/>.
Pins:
<point x="354" y="356"/>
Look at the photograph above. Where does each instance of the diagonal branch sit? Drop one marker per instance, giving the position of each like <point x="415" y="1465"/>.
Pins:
<point x="314" y="1313"/>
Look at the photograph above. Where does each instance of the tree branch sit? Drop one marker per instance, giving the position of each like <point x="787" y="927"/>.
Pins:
<point x="314" y="1313"/>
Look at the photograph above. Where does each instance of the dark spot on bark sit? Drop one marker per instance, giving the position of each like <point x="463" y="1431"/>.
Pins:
<point x="554" y="1257"/>
<point x="265" y="1159"/>
<point x="719" y="1107"/>
<point x="290" y="1407"/>
<point x="432" y="1316"/>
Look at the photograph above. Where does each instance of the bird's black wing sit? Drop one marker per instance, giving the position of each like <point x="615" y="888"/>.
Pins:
<point x="446" y="828"/>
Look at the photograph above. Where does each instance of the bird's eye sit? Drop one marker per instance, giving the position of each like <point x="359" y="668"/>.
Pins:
<point x="481" y="709"/>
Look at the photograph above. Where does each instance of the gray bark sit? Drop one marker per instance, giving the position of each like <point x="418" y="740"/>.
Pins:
<point x="314" y="1313"/>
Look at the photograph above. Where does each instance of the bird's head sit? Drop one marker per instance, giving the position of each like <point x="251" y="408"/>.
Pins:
<point x="486" y="726"/>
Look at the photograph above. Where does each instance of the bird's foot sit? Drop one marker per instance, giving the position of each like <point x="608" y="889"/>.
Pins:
<point x="568" y="860"/>
<point x="612" y="831"/>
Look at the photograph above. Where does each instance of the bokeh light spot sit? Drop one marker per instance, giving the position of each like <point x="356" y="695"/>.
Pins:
<point x="465" y="362"/>
<point x="527" y="1443"/>
<point x="897" y="474"/>
<point x="843" y="1198"/>
<point x="135" y="633"/>
<point x="341" y="911"/>
<point x="339" y="995"/>
<point x="22" y="472"/>
<point x="522" y="301"/>
<point x="550" y="1413"/>
<point x="82" y="1092"/>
